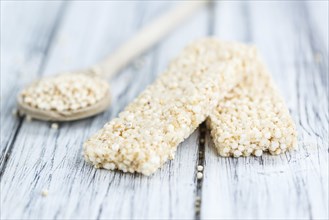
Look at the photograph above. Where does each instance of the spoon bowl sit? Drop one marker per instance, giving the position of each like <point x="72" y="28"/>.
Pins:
<point x="40" y="99"/>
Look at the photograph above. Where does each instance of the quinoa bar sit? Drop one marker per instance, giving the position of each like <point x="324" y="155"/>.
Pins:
<point x="252" y="118"/>
<point x="147" y="133"/>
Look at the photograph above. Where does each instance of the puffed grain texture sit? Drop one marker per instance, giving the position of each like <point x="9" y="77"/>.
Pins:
<point x="64" y="93"/>
<point x="253" y="117"/>
<point x="147" y="133"/>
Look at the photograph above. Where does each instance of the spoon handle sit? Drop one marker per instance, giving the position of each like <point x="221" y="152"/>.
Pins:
<point x="146" y="37"/>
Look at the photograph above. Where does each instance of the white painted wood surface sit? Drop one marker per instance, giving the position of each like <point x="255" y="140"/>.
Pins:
<point x="40" y="38"/>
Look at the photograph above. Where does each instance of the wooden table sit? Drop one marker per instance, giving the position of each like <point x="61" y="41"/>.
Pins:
<point x="44" y="37"/>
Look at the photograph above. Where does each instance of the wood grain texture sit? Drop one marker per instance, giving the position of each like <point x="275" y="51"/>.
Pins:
<point x="43" y="38"/>
<point x="293" y="185"/>
<point x="50" y="159"/>
<point x="25" y="43"/>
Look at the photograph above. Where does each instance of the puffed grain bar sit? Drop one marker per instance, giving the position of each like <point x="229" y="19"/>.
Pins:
<point x="147" y="133"/>
<point x="253" y="117"/>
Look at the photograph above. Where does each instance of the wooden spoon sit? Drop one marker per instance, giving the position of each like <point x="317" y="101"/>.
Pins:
<point x="101" y="72"/>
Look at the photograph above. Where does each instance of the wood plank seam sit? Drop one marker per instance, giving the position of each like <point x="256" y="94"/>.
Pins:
<point x="200" y="162"/>
<point x="202" y="127"/>
<point x="7" y="151"/>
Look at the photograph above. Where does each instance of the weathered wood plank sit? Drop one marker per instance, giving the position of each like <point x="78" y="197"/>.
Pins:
<point x="293" y="38"/>
<point x="25" y="40"/>
<point x="48" y="159"/>
<point x="319" y="17"/>
<point x="293" y="185"/>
